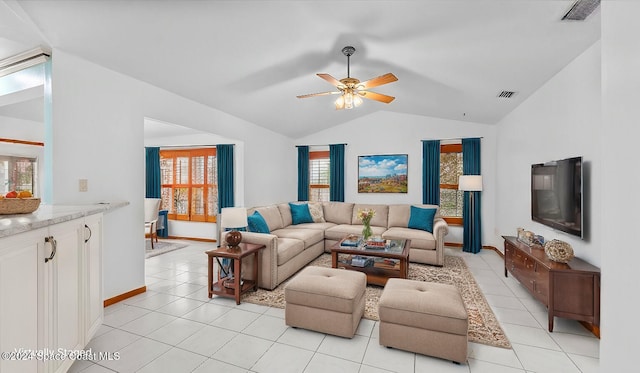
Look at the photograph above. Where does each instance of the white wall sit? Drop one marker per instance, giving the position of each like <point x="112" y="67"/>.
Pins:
<point x="98" y="118"/>
<point x="560" y="120"/>
<point x="392" y="133"/>
<point x="620" y="206"/>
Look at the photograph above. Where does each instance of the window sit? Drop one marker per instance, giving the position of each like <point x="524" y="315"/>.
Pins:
<point x="18" y="173"/>
<point x="319" y="172"/>
<point x="190" y="184"/>
<point x="450" y="171"/>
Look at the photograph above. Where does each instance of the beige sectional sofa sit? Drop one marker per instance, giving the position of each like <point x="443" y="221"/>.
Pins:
<point x="289" y="247"/>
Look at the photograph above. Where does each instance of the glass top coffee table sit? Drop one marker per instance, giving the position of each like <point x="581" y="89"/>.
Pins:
<point x="380" y="260"/>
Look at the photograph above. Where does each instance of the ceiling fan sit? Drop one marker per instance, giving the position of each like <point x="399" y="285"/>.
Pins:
<point x="351" y="89"/>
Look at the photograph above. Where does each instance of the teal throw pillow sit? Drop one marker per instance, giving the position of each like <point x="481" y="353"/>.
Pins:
<point x="422" y="219"/>
<point x="300" y="213"/>
<point x="257" y="223"/>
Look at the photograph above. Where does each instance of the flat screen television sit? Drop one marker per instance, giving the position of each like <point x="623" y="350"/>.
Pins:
<point x="556" y="195"/>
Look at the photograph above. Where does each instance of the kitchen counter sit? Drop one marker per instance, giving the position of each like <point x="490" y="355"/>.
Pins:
<point x="47" y="215"/>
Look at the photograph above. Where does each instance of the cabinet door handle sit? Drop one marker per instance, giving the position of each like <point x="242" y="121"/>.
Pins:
<point x="88" y="238"/>
<point x="54" y="247"/>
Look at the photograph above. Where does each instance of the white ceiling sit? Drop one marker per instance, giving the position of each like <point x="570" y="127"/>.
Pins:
<point x="251" y="58"/>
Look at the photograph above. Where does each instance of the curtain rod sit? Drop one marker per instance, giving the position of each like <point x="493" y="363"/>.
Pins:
<point x="456" y="138"/>
<point x="297" y="146"/>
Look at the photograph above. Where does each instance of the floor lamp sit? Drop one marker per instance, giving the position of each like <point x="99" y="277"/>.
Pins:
<point x="471" y="183"/>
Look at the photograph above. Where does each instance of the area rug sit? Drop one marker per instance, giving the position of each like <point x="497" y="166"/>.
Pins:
<point x="483" y="325"/>
<point x="161" y="247"/>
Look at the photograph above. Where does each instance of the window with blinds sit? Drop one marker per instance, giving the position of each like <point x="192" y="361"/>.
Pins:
<point x="319" y="172"/>
<point x="450" y="171"/>
<point x="189" y="184"/>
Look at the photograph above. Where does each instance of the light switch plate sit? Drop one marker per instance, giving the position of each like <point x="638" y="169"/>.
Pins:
<point x="83" y="185"/>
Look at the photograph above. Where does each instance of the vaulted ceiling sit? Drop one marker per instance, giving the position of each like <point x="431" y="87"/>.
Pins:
<point x="252" y="58"/>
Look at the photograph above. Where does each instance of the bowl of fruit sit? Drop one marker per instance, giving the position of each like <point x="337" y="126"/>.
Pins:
<point x="18" y="202"/>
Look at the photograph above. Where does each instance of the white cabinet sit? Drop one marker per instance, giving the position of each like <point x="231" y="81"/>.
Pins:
<point x="63" y="310"/>
<point x="20" y="265"/>
<point x="50" y="292"/>
<point x="92" y="266"/>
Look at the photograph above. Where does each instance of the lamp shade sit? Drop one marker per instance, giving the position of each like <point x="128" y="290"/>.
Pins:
<point x="233" y="217"/>
<point x="470" y="183"/>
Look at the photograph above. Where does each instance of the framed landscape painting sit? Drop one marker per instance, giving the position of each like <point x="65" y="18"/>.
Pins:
<point x="382" y="173"/>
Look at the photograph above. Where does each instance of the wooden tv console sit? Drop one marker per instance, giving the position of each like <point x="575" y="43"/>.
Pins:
<point x="570" y="290"/>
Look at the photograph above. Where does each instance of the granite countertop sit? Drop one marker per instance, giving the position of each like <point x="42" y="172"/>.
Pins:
<point x="47" y="215"/>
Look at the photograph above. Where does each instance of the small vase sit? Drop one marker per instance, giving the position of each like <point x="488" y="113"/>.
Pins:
<point x="366" y="232"/>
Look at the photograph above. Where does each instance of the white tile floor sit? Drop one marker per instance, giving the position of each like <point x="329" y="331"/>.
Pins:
<point x="174" y="327"/>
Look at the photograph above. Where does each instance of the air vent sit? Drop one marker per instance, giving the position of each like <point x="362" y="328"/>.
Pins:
<point x="506" y="94"/>
<point x="581" y="9"/>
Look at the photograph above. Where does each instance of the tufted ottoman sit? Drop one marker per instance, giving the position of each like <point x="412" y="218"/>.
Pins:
<point x="424" y="317"/>
<point x="326" y="300"/>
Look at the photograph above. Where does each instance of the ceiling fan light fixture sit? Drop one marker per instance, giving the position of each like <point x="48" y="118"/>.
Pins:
<point x="348" y="100"/>
<point x="340" y="103"/>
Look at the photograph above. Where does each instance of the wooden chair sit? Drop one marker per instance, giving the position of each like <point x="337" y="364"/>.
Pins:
<point x="151" y="211"/>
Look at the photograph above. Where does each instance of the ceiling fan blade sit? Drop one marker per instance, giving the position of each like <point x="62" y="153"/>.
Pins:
<point x="331" y="80"/>
<point x="377" y="96"/>
<point x="319" y="94"/>
<point x="380" y="80"/>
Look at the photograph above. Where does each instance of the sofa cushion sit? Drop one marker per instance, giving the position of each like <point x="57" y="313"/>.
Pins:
<point x="271" y="215"/>
<point x="257" y="223"/>
<point x="308" y="236"/>
<point x="337" y="212"/>
<point x="422" y="218"/>
<point x="400" y="214"/>
<point x="288" y="248"/>
<point x="285" y="214"/>
<point x="317" y="213"/>
<point x="316" y="226"/>
<point x="300" y="213"/>
<point x="380" y="218"/>
<point x="419" y="239"/>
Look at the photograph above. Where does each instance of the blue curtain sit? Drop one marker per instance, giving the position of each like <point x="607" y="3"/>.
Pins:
<point x="152" y="172"/>
<point x="336" y="177"/>
<point x="431" y="172"/>
<point x="303" y="173"/>
<point x="472" y="237"/>
<point x="224" y="155"/>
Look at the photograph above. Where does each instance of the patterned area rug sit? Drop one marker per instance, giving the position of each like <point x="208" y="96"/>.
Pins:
<point x="161" y="247"/>
<point x="483" y="325"/>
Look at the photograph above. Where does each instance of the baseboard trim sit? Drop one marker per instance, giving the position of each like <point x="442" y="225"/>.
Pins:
<point x="121" y="297"/>
<point x="191" y="239"/>
<point x="494" y="249"/>
<point x="484" y="247"/>
<point x="592" y="328"/>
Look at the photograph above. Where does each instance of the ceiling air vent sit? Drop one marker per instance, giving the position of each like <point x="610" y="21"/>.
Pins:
<point x="581" y="9"/>
<point x="506" y="94"/>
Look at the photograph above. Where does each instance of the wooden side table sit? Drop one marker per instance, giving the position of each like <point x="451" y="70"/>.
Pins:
<point x="239" y="286"/>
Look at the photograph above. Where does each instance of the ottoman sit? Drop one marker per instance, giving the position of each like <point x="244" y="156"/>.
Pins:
<point x="424" y="317"/>
<point x="326" y="300"/>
